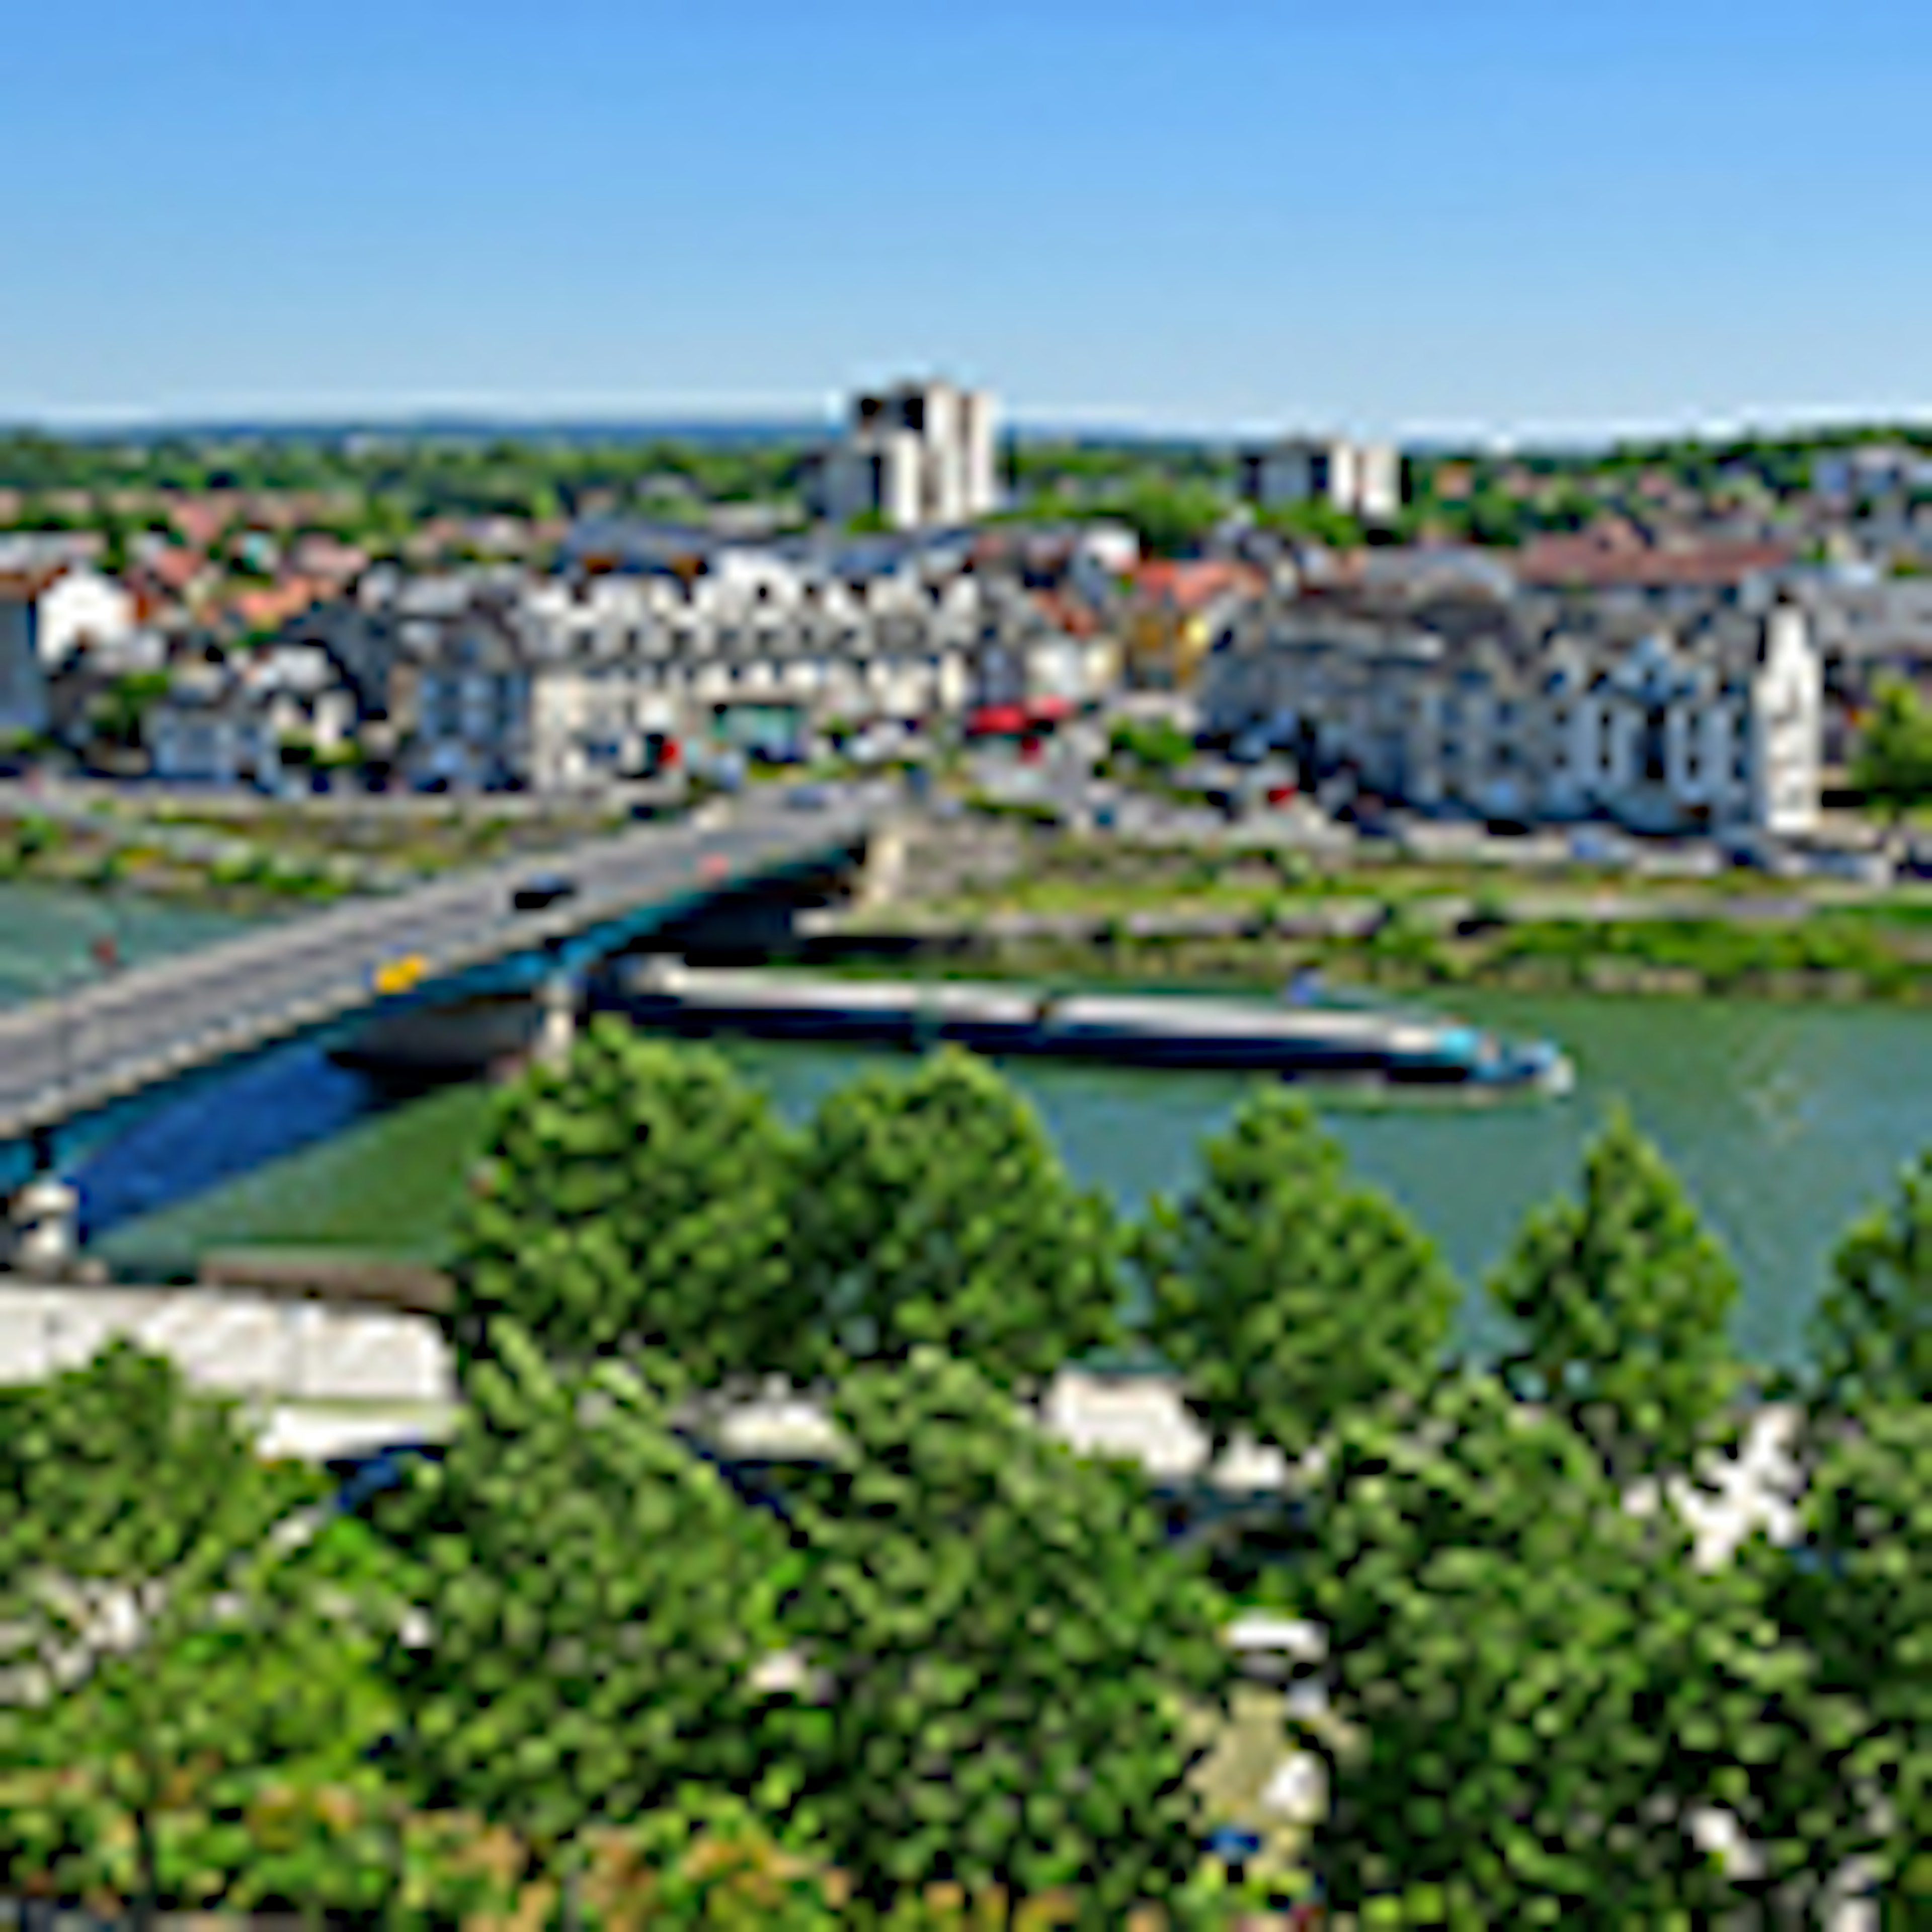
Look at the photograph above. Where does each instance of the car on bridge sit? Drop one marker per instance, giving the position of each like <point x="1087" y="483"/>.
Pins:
<point x="542" y="890"/>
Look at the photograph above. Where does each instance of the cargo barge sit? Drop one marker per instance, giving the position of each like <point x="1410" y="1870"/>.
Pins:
<point x="1201" y="1033"/>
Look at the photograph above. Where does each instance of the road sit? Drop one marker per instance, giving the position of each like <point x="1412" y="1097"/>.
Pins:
<point x="59" y="1057"/>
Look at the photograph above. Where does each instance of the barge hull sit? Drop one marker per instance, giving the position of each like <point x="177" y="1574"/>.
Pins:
<point x="1202" y="1037"/>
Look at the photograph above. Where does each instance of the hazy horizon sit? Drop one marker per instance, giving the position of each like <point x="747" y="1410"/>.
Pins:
<point x="776" y="423"/>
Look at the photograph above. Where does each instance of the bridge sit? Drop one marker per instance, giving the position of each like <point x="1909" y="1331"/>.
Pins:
<point x="72" y="1066"/>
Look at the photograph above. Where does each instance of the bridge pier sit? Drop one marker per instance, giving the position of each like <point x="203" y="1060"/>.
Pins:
<point x="557" y="1022"/>
<point x="42" y="1227"/>
<point x="880" y="873"/>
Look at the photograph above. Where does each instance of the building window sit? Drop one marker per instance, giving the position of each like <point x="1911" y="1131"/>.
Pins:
<point x="1652" y="760"/>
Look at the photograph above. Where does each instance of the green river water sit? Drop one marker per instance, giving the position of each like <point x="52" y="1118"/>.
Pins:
<point x="1784" y="1119"/>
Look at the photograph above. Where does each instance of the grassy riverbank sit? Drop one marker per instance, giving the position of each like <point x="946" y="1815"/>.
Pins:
<point x="1835" y="960"/>
<point x="1092" y="909"/>
<point x="256" y="857"/>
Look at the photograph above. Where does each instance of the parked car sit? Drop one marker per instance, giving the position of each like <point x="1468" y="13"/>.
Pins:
<point x="1863" y="868"/>
<point x="360" y="1477"/>
<point x="542" y="890"/>
<point x="1591" y="846"/>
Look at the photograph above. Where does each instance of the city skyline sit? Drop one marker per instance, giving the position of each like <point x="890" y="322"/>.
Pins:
<point x="1502" y="226"/>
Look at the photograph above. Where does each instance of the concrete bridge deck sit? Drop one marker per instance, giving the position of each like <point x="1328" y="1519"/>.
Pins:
<point x="66" y="1058"/>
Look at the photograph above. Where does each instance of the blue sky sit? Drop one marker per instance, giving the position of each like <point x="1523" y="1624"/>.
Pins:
<point x="1422" y="216"/>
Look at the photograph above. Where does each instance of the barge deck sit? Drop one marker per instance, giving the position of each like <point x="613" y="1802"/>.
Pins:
<point x="1197" y="1033"/>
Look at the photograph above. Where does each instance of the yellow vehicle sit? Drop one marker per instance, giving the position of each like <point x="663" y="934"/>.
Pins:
<point x="399" y="974"/>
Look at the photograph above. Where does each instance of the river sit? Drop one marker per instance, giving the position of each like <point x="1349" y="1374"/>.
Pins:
<point x="1784" y="1121"/>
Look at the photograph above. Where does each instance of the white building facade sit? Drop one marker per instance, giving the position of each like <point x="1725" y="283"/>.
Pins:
<point x="1360" y="479"/>
<point x="557" y="685"/>
<point x="82" y="606"/>
<point x="1716" y="726"/>
<point x="918" y="454"/>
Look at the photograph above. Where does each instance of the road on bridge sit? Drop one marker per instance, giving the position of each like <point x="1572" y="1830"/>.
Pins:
<point x="63" y="1057"/>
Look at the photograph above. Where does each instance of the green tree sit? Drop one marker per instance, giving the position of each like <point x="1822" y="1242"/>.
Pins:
<point x="1892" y="766"/>
<point x="1284" y="1294"/>
<point x="1622" y="1299"/>
<point x="1859" y="1593"/>
<point x="1315" y="521"/>
<point x="1539" y="1694"/>
<point x="1157" y="743"/>
<point x="172" y="1631"/>
<point x="1011" y="1653"/>
<point x="121" y="712"/>
<point x="1170" y="518"/>
<point x="934" y="1209"/>
<point x="1871" y="1335"/>
<point x="638" y="1199"/>
<point x="596" y="1603"/>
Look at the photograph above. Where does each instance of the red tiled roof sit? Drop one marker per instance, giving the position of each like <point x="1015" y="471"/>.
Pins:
<point x="1067" y="614"/>
<point x="1559" y="561"/>
<point x="1189" y="584"/>
<point x="175" y="568"/>
<point x="25" y="586"/>
<point x="199" y="519"/>
<point x="265" y="608"/>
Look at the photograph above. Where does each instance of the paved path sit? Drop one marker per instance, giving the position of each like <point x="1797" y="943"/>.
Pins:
<point x="335" y="1377"/>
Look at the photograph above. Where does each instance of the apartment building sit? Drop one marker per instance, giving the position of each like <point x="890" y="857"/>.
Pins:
<point x="916" y="455"/>
<point x="1487" y="711"/>
<point x="557" y="684"/>
<point x="1360" y="479"/>
<point x="64" y="603"/>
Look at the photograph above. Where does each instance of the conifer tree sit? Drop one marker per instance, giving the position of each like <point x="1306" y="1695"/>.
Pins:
<point x="1285" y="1294"/>
<point x="1008" y="1652"/>
<point x="934" y="1209"/>
<point x="635" y="1201"/>
<point x="1871" y="1337"/>
<point x="1622" y="1298"/>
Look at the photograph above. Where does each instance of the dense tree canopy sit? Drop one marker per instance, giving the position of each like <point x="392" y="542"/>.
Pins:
<point x="595" y="1604"/>
<point x="1892" y="766"/>
<point x="1286" y="1295"/>
<point x="1622" y="1298"/>
<point x="933" y="1208"/>
<point x="172" y="1634"/>
<point x="1860" y="1596"/>
<point x="1871" y="1337"/>
<point x="1542" y="1698"/>
<point x="551" y="1657"/>
<point x="1008" y="1646"/>
<point x="638" y="1199"/>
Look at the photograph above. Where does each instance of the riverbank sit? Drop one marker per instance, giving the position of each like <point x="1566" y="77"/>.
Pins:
<point x="249" y="858"/>
<point x="1028" y="905"/>
<point x="1843" y="961"/>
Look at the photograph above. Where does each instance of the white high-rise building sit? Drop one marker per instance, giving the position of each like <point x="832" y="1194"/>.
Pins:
<point x="920" y="454"/>
<point x="1362" y="479"/>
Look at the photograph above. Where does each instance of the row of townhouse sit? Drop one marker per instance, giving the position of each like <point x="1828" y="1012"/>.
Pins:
<point x="1714" y="725"/>
<point x="487" y="679"/>
<point x="228" y="721"/>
